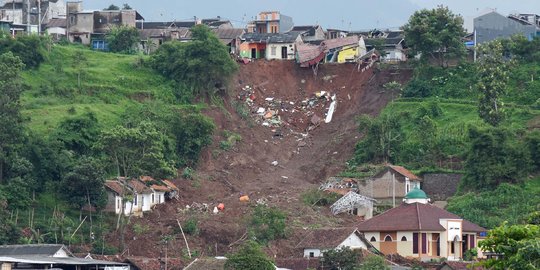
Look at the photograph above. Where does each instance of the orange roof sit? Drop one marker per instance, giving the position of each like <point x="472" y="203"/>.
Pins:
<point x="116" y="187"/>
<point x="138" y="186"/>
<point x="160" y="188"/>
<point x="146" y="178"/>
<point x="170" y="184"/>
<point x="404" y="172"/>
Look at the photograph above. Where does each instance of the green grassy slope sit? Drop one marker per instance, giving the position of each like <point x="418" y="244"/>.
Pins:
<point x="109" y="83"/>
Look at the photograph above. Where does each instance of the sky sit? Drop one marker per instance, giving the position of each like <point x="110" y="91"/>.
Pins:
<point x="341" y="14"/>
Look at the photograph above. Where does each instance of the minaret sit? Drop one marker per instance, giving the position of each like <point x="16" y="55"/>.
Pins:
<point x="416" y="195"/>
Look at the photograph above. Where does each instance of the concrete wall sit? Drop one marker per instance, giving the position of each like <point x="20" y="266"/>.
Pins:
<point x="353" y="242"/>
<point x="316" y="252"/>
<point x="273" y="51"/>
<point x="348" y="54"/>
<point x="80" y="25"/>
<point x="493" y="25"/>
<point x="15" y="16"/>
<point x="440" y="186"/>
<point x="246" y="47"/>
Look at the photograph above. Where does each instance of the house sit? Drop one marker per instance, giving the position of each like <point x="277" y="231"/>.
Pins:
<point x="389" y="185"/>
<point x="253" y="45"/>
<point x="90" y="27"/>
<point x="163" y="189"/>
<point x="310" y="33"/>
<point x="270" y="22"/>
<point x="48" y="256"/>
<point x="33" y="13"/>
<point x="392" y="42"/>
<point x="282" y="46"/>
<point x="116" y="193"/>
<point x="419" y="230"/>
<point x="56" y="28"/>
<point x="336" y="33"/>
<point x="308" y="55"/>
<point x="341" y="50"/>
<point x="153" y="38"/>
<point x="492" y="25"/>
<point x="142" y="196"/>
<point x="317" y="241"/>
<point x="452" y="265"/>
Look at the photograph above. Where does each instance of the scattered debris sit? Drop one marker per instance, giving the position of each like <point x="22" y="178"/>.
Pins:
<point x="275" y="163"/>
<point x="331" y="110"/>
<point x="221" y="206"/>
<point x="244" y="198"/>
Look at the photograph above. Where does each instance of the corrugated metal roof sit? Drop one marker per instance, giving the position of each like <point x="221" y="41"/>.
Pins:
<point x="39" y="249"/>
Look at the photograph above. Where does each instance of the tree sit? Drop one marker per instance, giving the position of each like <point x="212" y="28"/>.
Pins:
<point x="268" y="223"/>
<point x="8" y="231"/>
<point x="493" y="76"/>
<point x="201" y="64"/>
<point x="83" y="185"/>
<point x="136" y="151"/>
<point x="436" y="33"/>
<point x="519" y="245"/>
<point x="249" y="257"/>
<point x="10" y="117"/>
<point x="383" y="137"/>
<point x="374" y="263"/>
<point x="126" y="6"/>
<point x="79" y="63"/>
<point x="122" y="39"/>
<point x="79" y="133"/>
<point x="31" y="49"/>
<point x="112" y="7"/>
<point x="192" y="133"/>
<point x="340" y="259"/>
<point x="495" y="156"/>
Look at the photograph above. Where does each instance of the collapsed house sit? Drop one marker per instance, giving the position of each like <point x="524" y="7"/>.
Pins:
<point x="351" y="202"/>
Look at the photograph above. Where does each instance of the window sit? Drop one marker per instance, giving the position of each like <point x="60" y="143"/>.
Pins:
<point x="452" y="249"/>
<point x="373" y="239"/>
<point x="424" y="243"/>
<point x="388" y="238"/>
<point x="152" y="198"/>
<point x="273" y="51"/>
<point x="415" y="243"/>
<point x="404" y="239"/>
<point x="72" y="20"/>
<point x="312" y="254"/>
<point x="472" y="241"/>
<point x="135" y="200"/>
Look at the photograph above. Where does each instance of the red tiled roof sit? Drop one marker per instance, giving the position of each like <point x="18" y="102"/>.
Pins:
<point x="404" y="172"/>
<point x="160" y="188"/>
<point x="115" y="186"/>
<point x="413" y="217"/>
<point x="143" y="263"/>
<point x="146" y="178"/>
<point x="170" y="184"/>
<point x="207" y="264"/>
<point x="139" y="186"/>
<point x="460" y="266"/>
<point x="326" y="237"/>
<point x="299" y="263"/>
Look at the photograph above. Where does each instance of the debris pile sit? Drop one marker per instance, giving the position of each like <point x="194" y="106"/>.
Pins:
<point x="301" y="115"/>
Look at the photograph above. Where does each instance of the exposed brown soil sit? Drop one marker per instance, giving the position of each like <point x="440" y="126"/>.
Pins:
<point x="305" y="158"/>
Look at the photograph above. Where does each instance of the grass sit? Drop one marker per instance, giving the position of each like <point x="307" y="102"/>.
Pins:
<point x="109" y="83"/>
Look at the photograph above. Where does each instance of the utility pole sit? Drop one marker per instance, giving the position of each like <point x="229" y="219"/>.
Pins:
<point x="28" y="17"/>
<point x="393" y="190"/>
<point x="13" y="19"/>
<point x="39" y="17"/>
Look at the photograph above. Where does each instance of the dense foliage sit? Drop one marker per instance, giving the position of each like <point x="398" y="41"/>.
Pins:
<point x="202" y="64"/>
<point x="435" y="34"/>
<point x="267" y="223"/>
<point x="489" y="209"/>
<point x="340" y="259"/>
<point x="519" y="244"/>
<point x="249" y="257"/>
<point x="31" y="49"/>
<point x="374" y="263"/>
<point x="122" y="39"/>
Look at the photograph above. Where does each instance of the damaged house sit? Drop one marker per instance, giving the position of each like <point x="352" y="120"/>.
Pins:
<point x="136" y="196"/>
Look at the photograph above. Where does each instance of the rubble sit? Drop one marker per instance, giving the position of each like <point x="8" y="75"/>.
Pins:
<point x="302" y="114"/>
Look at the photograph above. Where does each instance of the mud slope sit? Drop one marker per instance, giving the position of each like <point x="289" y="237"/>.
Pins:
<point x="305" y="155"/>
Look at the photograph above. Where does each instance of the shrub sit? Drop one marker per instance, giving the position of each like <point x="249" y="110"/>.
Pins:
<point x="249" y="257"/>
<point x="191" y="226"/>
<point x="267" y="223"/>
<point x="318" y="197"/>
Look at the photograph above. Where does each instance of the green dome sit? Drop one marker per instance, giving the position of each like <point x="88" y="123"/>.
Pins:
<point x="416" y="193"/>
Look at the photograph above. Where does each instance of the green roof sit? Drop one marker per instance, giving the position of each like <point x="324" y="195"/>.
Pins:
<point x="416" y="193"/>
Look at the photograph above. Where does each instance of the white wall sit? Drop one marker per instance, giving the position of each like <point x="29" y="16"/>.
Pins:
<point x="353" y="242"/>
<point x="273" y="51"/>
<point x="316" y="252"/>
<point x="61" y="253"/>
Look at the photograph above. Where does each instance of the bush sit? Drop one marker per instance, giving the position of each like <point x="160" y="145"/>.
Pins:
<point x="267" y="223"/>
<point x="343" y="258"/>
<point x="249" y="257"/>
<point x="471" y="254"/>
<point x="374" y="263"/>
<point x="318" y="197"/>
<point x="191" y="226"/>
<point x="29" y="48"/>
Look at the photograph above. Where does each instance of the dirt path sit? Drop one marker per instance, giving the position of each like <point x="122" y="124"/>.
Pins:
<point x="304" y="157"/>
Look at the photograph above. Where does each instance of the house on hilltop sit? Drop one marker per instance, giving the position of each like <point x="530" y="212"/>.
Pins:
<point x="317" y="241"/>
<point x="270" y="22"/>
<point x="492" y="25"/>
<point x="417" y="229"/>
<point x="389" y="185"/>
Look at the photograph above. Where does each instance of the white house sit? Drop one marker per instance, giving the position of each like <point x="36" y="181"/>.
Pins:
<point x="317" y="241"/>
<point x="282" y="46"/>
<point x="116" y="192"/>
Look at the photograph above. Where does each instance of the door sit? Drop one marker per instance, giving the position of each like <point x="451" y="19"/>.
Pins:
<point x="254" y="53"/>
<point x="284" y="52"/>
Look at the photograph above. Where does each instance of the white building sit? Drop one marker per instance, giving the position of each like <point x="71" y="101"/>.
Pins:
<point x="317" y="241"/>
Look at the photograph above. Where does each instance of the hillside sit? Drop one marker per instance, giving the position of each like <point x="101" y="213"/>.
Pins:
<point x="108" y="84"/>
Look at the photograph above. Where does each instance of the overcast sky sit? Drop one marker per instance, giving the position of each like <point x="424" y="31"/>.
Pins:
<point x="343" y="14"/>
